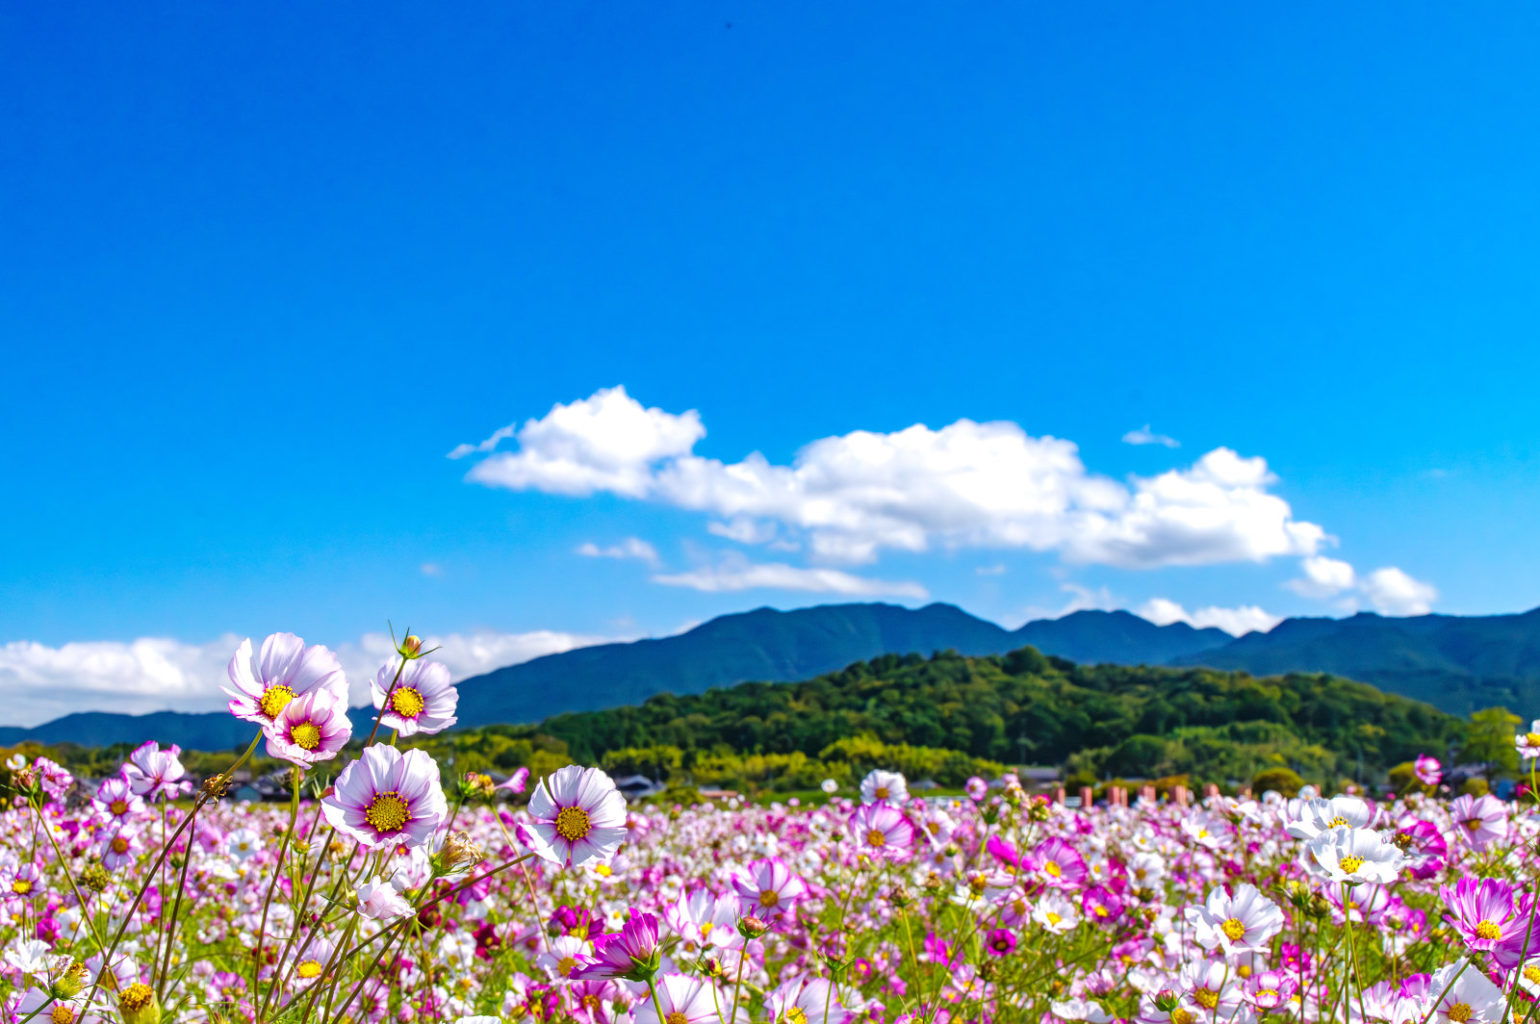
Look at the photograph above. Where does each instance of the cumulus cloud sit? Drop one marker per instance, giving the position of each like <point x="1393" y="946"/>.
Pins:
<point x="1144" y="436"/>
<point x="1393" y="592"/>
<point x="964" y="485"/>
<point x="41" y="683"/>
<point x="631" y="547"/>
<point x="734" y="574"/>
<point x="606" y="442"/>
<point x="1390" y="590"/>
<point x="1237" y="621"/>
<point x="1323" y="577"/>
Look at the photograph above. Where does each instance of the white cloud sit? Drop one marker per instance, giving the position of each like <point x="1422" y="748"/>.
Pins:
<point x="606" y="442"/>
<point x="990" y="570"/>
<point x="965" y="485"/>
<point x="1393" y="592"/>
<point x="631" y="547"/>
<point x="735" y="574"/>
<point x="1144" y="436"/>
<point x="41" y="683"/>
<point x="1324" y="577"/>
<point x="1235" y="621"/>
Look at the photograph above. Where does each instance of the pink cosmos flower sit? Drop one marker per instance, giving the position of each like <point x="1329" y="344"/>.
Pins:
<point x="121" y="848"/>
<point x="422" y="700"/>
<point x="387" y="798"/>
<point x="284" y="669"/>
<point x="884" y="787"/>
<point x="1059" y="865"/>
<point x="807" y="999"/>
<point x="1000" y="942"/>
<point x="1428" y="770"/>
<point x="1101" y="904"/>
<point x="515" y="783"/>
<point x="1268" y="990"/>
<point x="116" y="799"/>
<point x="1479" y="820"/>
<point x="768" y="888"/>
<point x="881" y="830"/>
<point x="1488" y="913"/>
<point x="156" y="774"/>
<point x="19" y="883"/>
<point x="380" y="901"/>
<point x="310" y="728"/>
<point x="577" y="814"/>
<point x="976" y="788"/>
<point x="632" y="952"/>
<point x="683" y="1000"/>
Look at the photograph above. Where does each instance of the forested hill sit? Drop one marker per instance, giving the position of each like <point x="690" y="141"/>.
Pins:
<point x="1025" y="707"/>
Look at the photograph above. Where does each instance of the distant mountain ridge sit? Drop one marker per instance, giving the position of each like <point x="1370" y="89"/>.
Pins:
<point x="1456" y="663"/>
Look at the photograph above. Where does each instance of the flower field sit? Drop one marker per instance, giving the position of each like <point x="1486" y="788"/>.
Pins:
<point x="384" y="891"/>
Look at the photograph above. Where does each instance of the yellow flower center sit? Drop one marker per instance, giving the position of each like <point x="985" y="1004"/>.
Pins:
<point x="1532" y="974"/>
<point x="604" y="871"/>
<point x="572" y="824"/>
<point x="308" y="969"/>
<point x="1100" y="911"/>
<point x="1234" y="929"/>
<point x="769" y="898"/>
<point x="1181" y="1016"/>
<point x="705" y="929"/>
<point x="387" y="812"/>
<point x="1206" y="998"/>
<point x="136" y="997"/>
<point x="793" y="1016"/>
<point x="1338" y="822"/>
<point x="1472" y="824"/>
<point x="275" y="699"/>
<point x="1350" y="865"/>
<point x="21" y="887"/>
<point x="1459" y="1013"/>
<point x="676" y="1018"/>
<point x="118" y="807"/>
<point x="881" y="792"/>
<point x="1268" y="994"/>
<point x="564" y="965"/>
<point x="1054" y="918"/>
<point x="119" y="844"/>
<point x="1243" y="971"/>
<point x="1053" y="869"/>
<point x="1488" y="930"/>
<point x="875" y="838"/>
<point x="407" y="702"/>
<point x="1532" y="738"/>
<point x="61" y="1014"/>
<point x="305" y="736"/>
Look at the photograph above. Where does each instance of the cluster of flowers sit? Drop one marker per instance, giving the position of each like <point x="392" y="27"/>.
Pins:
<point x="382" y="895"/>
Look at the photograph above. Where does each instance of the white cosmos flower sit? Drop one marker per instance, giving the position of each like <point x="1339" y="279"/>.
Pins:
<point x="1317" y="816"/>
<point x="1353" y="855"/>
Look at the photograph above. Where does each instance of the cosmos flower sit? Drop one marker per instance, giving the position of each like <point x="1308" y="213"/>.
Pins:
<point x="705" y="919"/>
<point x="567" y="953"/>
<point x="884" y="787"/>
<point x="312" y="727"/>
<point x="1058" y="864"/>
<point x="683" y="1000"/>
<point x="881" y="830"/>
<point x="768" y="888"/>
<point x="284" y="669"/>
<point x="1353" y="855"/>
<point x="1480" y="820"/>
<point x="1528" y="743"/>
<point x="115" y="798"/>
<point x="976" y="788"/>
<point x="121" y="848"/>
<point x="1428" y="770"/>
<point x="1317" y="816"/>
<point x="633" y="952"/>
<point x="1459" y="993"/>
<point x="829" y="786"/>
<point x="806" y="999"/>
<point x="514" y="783"/>
<point x="380" y="901"/>
<point x="1243" y="921"/>
<point x="577" y="814"/>
<point x="156" y="774"/>
<point x="422" y="700"/>
<point x="1488" y="913"/>
<point x="1000" y="942"/>
<point x="387" y="798"/>
<point x="1268" y="990"/>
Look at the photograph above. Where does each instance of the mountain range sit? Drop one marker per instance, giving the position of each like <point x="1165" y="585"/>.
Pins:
<point x="1456" y="663"/>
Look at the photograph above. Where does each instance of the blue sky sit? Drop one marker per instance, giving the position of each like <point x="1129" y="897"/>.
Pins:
<point x="267" y="265"/>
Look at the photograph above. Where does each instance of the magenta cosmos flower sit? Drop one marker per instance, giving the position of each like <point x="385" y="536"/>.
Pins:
<point x="422" y="700"/>
<point x="631" y="953"/>
<point x="1059" y="865"/>
<point x="1428" y="770"/>
<point x="154" y="773"/>
<point x="577" y="814"/>
<point x="387" y="798"/>
<point x="1486" y="912"/>
<point x="284" y="669"/>
<point x="311" y="728"/>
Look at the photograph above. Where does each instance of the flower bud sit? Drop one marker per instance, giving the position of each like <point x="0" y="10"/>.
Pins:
<point x="751" y="927"/>
<point x="1165" y="1000"/>
<point x="411" y="647"/>
<point x="138" y="1005"/>
<point x="71" y="981"/>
